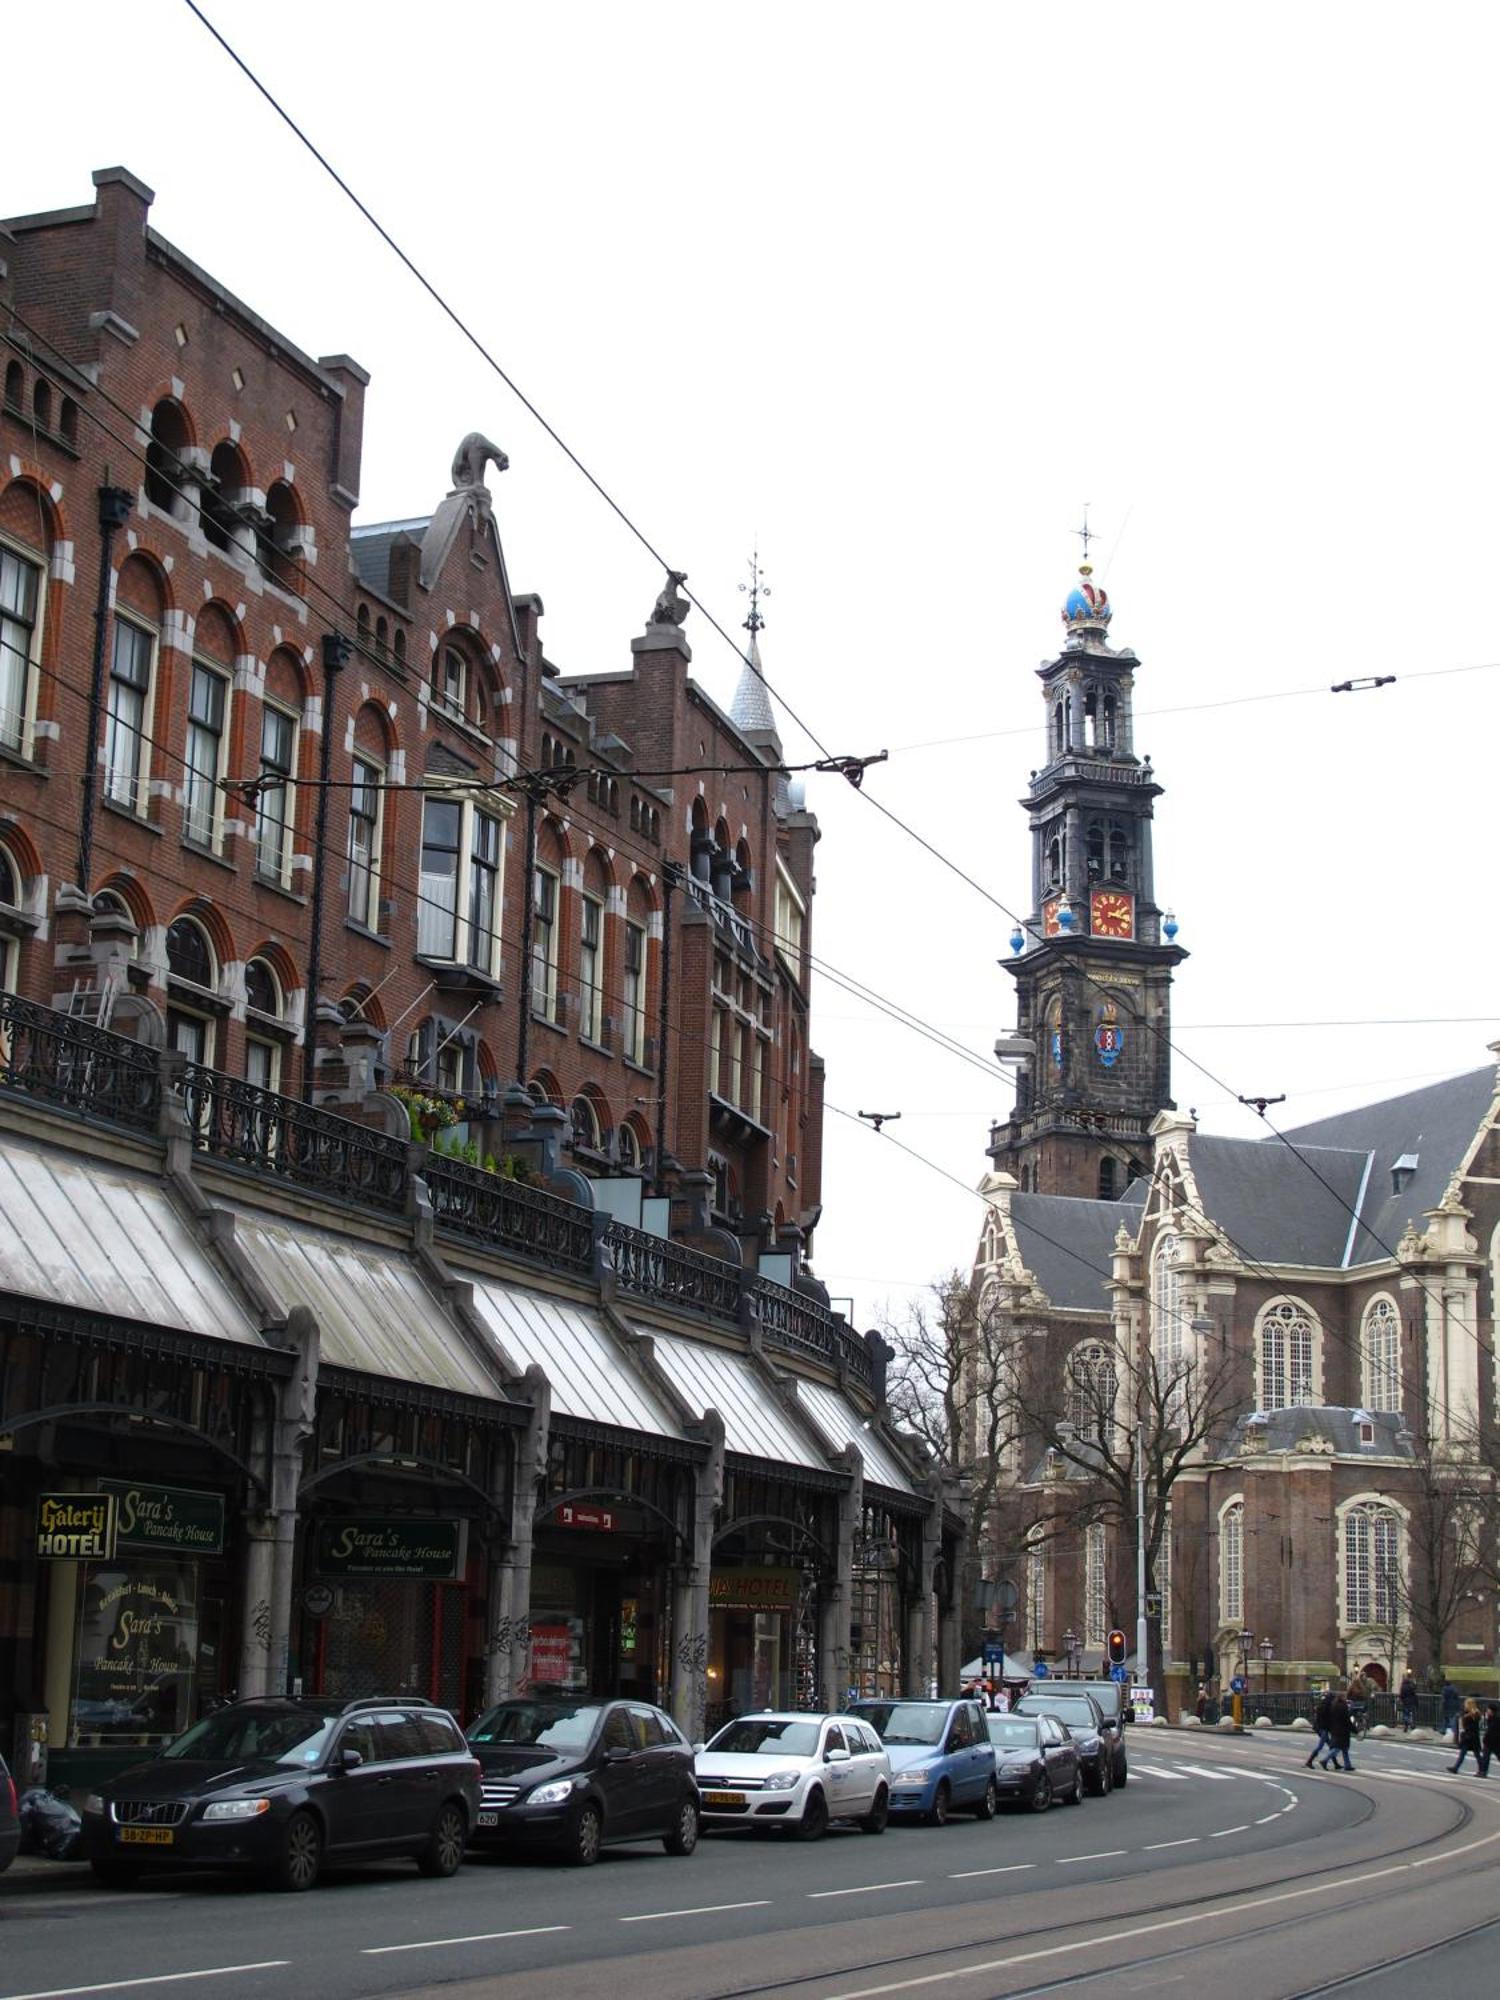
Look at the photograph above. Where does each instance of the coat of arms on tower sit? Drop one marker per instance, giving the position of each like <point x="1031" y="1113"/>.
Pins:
<point x="1109" y="1036"/>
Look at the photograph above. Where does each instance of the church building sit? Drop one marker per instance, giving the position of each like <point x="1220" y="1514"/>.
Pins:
<point x="1294" y="1335"/>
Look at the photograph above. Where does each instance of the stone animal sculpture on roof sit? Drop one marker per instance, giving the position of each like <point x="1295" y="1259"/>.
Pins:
<point x="469" y="461"/>
<point x="671" y="607"/>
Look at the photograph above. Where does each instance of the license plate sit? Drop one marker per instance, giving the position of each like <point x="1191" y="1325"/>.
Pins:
<point x="489" y="1819"/>
<point x="146" y="1836"/>
<point x="723" y="1798"/>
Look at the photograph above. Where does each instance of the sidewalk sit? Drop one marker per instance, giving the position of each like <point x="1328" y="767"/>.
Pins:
<point x="33" y="1875"/>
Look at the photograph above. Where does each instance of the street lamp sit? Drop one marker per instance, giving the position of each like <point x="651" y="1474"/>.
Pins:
<point x="1070" y="1643"/>
<point x="1247" y="1647"/>
<point x="1267" y="1654"/>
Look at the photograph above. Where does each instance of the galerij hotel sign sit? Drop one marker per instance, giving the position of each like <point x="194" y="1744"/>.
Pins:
<point x="75" y="1527"/>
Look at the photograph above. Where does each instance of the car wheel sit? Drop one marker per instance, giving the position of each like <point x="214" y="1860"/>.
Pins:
<point x="814" y="1821"/>
<point x="1075" y="1796"/>
<point x="588" y="1838"/>
<point x="989" y="1805"/>
<point x="1121" y="1775"/>
<point x="444" y="1852"/>
<point x="878" y="1817"/>
<point x="1041" y="1796"/>
<point x="300" y="1861"/>
<point x="115" y="1874"/>
<point x="684" y="1836"/>
<point x="942" y="1799"/>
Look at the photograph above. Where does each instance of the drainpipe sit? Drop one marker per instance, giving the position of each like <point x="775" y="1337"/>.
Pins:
<point x="114" y="511"/>
<point x="335" y="656"/>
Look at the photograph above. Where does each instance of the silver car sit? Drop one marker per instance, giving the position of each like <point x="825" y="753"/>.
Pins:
<point x="782" y="1768"/>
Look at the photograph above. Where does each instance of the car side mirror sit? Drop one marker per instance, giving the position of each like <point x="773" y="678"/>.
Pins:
<point x="699" y="1748"/>
<point x="349" y="1759"/>
<point x="835" y="1756"/>
<point x="618" y="1753"/>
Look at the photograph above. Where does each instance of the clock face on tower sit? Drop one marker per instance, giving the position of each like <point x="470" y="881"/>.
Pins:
<point x="1051" y="926"/>
<point x="1111" y="914"/>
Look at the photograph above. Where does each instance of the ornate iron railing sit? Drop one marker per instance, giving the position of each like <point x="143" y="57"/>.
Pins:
<point x="798" y="1324"/>
<point x="243" y="1126"/>
<point x="856" y="1357"/>
<point x="508" y="1215"/>
<point x="653" y="1267"/>
<point x="72" y="1063"/>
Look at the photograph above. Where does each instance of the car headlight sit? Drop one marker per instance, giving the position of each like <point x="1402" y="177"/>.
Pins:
<point x="551" y="1795"/>
<point x="93" y="1803"/>
<point x="782" y="1781"/>
<point x="237" y="1809"/>
<point x="915" y="1774"/>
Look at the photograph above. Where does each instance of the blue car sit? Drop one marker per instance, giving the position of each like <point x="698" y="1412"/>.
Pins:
<point x="941" y="1756"/>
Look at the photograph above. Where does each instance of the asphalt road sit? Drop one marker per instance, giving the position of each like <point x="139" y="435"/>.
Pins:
<point x="1224" y="1866"/>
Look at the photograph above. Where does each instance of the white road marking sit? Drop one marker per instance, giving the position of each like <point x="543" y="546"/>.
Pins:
<point x="1151" y="1930"/>
<point x="1159" y="1771"/>
<point x="703" y="1910"/>
<point x="1225" y="1831"/>
<point x="1270" y="1816"/>
<point x="155" y="1979"/>
<point x="1157" y="1845"/>
<point x="476" y="1937"/>
<point x="1108" y="1854"/>
<point x="1015" y="1868"/>
<point x="1202" y="1771"/>
<point x="866" y="1889"/>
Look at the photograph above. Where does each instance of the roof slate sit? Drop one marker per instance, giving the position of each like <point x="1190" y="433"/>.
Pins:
<point x="1068" y="1244"/>
<point x="1273" y="1208"/>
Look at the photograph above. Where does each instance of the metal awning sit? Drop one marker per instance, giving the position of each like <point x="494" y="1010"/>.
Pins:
<point x="842" y="1425"/>
<point x="755" y="1423"/>
<point x="375" y="1314"/>
<point x="590" y="1376"/>
<point x="77" y="1232"/>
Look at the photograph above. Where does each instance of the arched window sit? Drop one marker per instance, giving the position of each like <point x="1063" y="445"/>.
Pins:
<point x="1107" y="1178"/>
<point x="227" y="480"/>
<point x="1380" y="1356"/>
<point x="1169" y="1346"/>
<point x="22" y="601"/>
<point x="628" y="1148"/>
<point x="583" y="1115"/>
<point x="134" y="636"/>
<point x="1095" y="1590"/>
<point x="165" y="458"/>
<point x="400" y="647"/>
<point x="263" y="1005"/>
<point x="109" y="903"/>
<point x="281" y="542"/>
<point x="190" y="956"/>
<point x="1232" y="1563"/>
<point x="190" y="963"/>
<point x="15" y="386"/>
<point x="10" y="943"/>
<point x="1093" y="1383"/>
<point x="1372" y="1564"/>
<point x="1286" y="1353"/>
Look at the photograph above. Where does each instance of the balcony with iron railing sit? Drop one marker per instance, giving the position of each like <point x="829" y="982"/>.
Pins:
<point x="71" y="1066"/>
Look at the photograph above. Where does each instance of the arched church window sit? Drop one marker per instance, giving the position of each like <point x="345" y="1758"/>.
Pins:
<point x="1380" y="1356"/>
<point x="1107" y="1178"/>
<point x="1094" y="857"/>
<point x="1093" y="1383"/>
<point x="1287" y="1354"/>
<point x="1059" y="735"/>
<point x="1119" y="852"/>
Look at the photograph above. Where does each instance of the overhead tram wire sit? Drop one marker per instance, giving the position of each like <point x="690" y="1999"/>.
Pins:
<point x="479" y="347"/>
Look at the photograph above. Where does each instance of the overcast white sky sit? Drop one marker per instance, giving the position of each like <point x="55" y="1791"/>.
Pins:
<point x="898" y="290"/>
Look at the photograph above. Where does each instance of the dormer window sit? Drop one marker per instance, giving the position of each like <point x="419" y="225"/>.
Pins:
<point x="448" y="679"/>
<point x="1367" y="1434"/>
<point x="1403" y="1171"/>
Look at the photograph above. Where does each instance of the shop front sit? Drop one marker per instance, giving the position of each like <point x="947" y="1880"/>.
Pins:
<point x="774" y="1569"/>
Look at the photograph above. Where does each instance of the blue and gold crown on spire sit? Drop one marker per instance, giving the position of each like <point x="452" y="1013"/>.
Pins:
<point x="1088" y="603"/>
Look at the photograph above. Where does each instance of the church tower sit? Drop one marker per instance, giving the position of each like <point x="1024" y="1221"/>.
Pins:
<point x="1093" y="962"/>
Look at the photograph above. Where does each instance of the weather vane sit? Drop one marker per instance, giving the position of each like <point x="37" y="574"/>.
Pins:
<point x="1086" y="534"/>
<point x="757" y="588"/>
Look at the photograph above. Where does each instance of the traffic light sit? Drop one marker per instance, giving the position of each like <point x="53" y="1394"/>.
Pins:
<point x="1117" y="1648"/>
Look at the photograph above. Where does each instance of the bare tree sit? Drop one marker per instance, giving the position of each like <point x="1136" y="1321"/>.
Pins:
<point x="1116" y="1413"/>
<point x="1450" y="1503"/>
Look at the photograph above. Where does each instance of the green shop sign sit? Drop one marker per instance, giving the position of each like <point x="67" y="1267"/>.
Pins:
<point x="166" y="1518"/>
<point x="433" y="1549"/>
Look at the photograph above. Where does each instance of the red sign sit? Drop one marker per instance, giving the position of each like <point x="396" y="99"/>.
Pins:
<point x="551" y="1653"/>
<point x="572" y="1516"/>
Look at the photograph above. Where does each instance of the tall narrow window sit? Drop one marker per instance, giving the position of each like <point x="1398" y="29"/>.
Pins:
<point x="590" y="971"/>
<point x="1095" y="1593"/>
<point x="273" y="802"/>
<point x="483" y="944"/>
<point x="19" y="593"/>
<point x="1286" y="1356"/>
<point x="1372" y="1565"/>
<point x="205" y="750"/>
<point x="262" y="1008"/>
<point x="10" y="951"/>
<point x="544" y="944"/>
<point x="1093" y="1383"/>
<point x="1169" y="1347"/>
<point x="448" y="679"/>
<point x="364" y="845"/>
<point x="125" y="762"/>
<point x="437" y="915"/>
<point x="1232" y="1564"/>
<point x="635" y="992"/>
<point x="1380" y="1353"/>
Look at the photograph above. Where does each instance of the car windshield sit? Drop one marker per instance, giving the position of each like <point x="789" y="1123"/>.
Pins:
<point x="908" y="1721"/>
<point x="256" y="1735"/>
<point x="1078" y="1713"/>
<point x="767" y="1736"/>
<point x="1005" y="1731"/>
<point x="550" y="1725"/>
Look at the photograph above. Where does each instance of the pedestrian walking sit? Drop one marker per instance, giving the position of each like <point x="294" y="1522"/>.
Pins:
<point x="1489" y="1742"/>
<point x="1470" y="1729"/>
<point x="1407" y="1702"/>
<point x="1451" y="1705"/>
<point x="1200" y="1706"/>
<point x="1320" y="1723"/>
<point x="1340" y="1733"/>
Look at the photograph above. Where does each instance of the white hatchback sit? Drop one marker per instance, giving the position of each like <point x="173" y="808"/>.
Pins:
<point x="780" y="1768"/>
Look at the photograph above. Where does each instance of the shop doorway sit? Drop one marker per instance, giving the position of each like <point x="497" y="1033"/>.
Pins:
<point x="390" y="1635"/>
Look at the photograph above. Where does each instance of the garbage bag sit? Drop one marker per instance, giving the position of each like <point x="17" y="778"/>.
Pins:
<point x="50" y="1826"/>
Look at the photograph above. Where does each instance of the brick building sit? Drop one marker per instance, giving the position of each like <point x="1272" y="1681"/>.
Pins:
<point x="509" y="1279"/>
<point x="1311" y="1320"/>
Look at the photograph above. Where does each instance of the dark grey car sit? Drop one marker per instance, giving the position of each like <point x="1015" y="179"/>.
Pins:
<point x="1099" y="1750"/>
<point x="1036" y="1761"/>
<point x="10" y="1825"/>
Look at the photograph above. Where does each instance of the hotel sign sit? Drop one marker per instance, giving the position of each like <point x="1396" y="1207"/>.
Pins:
<point x="753" y="1589"/>
<point x="75" y="1527"/>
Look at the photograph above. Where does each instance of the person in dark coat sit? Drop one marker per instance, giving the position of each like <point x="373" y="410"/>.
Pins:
<point x="1489" y="1742"/>
<point x="1470" y="1730"/>
<point x="1340" y="1733"/>
<point x="1452" y="1702"/>
<point x="1320" y="1723"/>
<point x="1407" y="1702"/>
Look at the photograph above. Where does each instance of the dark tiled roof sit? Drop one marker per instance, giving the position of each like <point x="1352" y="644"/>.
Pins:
<point x="1436" y="1123"/>
<point x="1067" y="1244"/>
<point x="1335" y="1428"/>
<point x="1273" y="1207"/>
<point x="371" y="550"/>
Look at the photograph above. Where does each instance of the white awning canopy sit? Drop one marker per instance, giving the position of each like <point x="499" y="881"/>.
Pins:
<point x="842" y="1425"/>
<point x="590" y="1375"/>
<point x="755" y="1423"/>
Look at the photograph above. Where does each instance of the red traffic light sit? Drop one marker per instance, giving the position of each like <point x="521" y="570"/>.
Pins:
<point x="1117" y="1648"/>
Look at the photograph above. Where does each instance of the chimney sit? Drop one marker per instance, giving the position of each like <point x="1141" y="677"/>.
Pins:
<point x="348" y="426"/>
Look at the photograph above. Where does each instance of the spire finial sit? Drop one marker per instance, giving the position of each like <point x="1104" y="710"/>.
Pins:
<point x="756" y="588"/>
<point x="1086" y="534"/>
